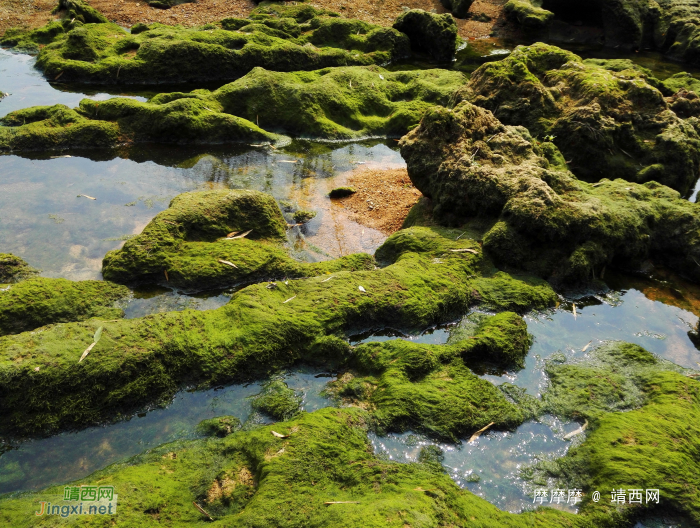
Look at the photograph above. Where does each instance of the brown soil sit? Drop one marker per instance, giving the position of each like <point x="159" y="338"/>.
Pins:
<point x="382" y="200"/>
<point x="35" y="13"/>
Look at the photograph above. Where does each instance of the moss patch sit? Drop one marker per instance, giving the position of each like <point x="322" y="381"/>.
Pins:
<point x="536" y="214"/>
<point x="277" y="401"/>
<point x="608" y="122"/>
<point x="14" y="269"/>
<point x="41" y="301"/>
<point x="430" y="33"/>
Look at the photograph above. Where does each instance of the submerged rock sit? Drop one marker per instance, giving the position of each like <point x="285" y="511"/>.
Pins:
<point x="41" y="301"/>
<point x="261" y="329"/>
<point x="429" y="33"/>
<point x="277" y="401"/>
<point x="276" y="38"/>
<point x="187" y="246"/>
<point x="608" y="118"/>
<point x="220" y="426"/>
<point x="335" y="103"/>
<point x="535" y="214"/>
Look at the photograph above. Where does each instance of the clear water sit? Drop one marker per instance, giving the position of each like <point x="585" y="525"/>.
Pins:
<point x="65" y="457"/>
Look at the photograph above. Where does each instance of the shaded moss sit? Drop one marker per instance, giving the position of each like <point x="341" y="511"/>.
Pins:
<point x="341" y="192"/>
<point x="186" y="245"/>
<point x="430" y="33"/>
<point x="259" y="331"/>
<point x="41" y="301"/>
<point x="256" y="479"/>
<point x="302" y="216"/>
<point x="528" y="15"/>
<point x="607" y="122"/>
<point x="277" y="38"/>
<point x="335" y="103"/>
<point x="428" y="388"/>
<point x="220" y="426"/>
<point x="541" y="217"/>
<point x="459" y="8"/>
<point x="14" y="269"/>
<point x="277" y="401"/>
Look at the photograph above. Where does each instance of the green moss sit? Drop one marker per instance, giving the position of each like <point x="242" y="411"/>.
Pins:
<point x="260" y="330"/>
<point x="430" y="33"/>
<point x="608" y="122"/>
<point x="81" y="11"/>
<point x="277" y="401"/>
<point x="338" y="103"/>
<point x="342" y="192"/>
<point x="302" y="216"/>
<point x="429" y="388"/>
<point x="14" y="269"/>
<point x="654" y="444"/>
<point x="220" y="426"/>
<point x="542" y="219"/>
<point x="40" y="301"/>
<point x="256" y="479"/>
<point x="279" y="38"/>
<point x="528" y="15"/>
<point x="186" y="245"/>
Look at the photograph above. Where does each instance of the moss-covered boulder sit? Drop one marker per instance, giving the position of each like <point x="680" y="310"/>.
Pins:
<point x="81" y="11"/>
<point x="277" y="38"/>
<point x="536" y="214"/>
<point x="14" y="269"/>
<point x="260" y="330"/>
<point x="459" y="8"/>
<point x="322" y="474"/>
<point x="220" y="426"/>
<point x="608" y="118"/>
<point x="192" y="245"/>
<point x="335" y="103"/>
<point x="277" y="401"/>
<point x="429" y="388"/>
<point x="529" y="16"/>
<point x="41" y="301"/>
<point x="430" y="33"/>
<point x="653" y="444"/>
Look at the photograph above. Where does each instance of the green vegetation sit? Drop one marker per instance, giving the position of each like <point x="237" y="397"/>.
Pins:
<point x="341" y="192"/>
<point x="41" y="301"/>
<point x="220" y="426"/>
<point x="535" y="214"/>
<point x="528" y="15"/>
<point x="335" y="103"/>
<point x="275" y="37"/>
<point x="430" y="33"/>
<point x="654" y="444"/>
<point x="186" y="245"/>
<point x="14" y="269"/>
<point x="277" y="401"/>
<point x="429" y="388"/>
<point x="608" y="122"/>
<point x="256" y="479"/>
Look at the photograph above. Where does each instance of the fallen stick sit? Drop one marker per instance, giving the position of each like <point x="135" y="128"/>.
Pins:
<point x="202" y="511"/>
<point x="577" y="431"/>
<point x="478" y="433"/>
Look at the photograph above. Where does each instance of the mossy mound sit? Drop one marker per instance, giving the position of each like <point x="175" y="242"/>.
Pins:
<point x="220" y="426"/>
<point x="430" y="33"/>
<point x="279" y="38"/>
<point x="607" y="122"/>
<point x="255" y="479"/>
<point x="335" y="103"/>
<point x="653" y="445"/>
<point x="14" y="269"/>
<point x="429" y="388"/>
<point x="277" y="401"/>
<point x="259" y="331"/>
<point x="341" y="192"/>
<point x="186" y="245"/>
<point x="528" y="15"/>
<point x="41" y="301"/>
<point x="81" y="11"/>
<point x="459" y="8"/>
<point x="538" y="215"/>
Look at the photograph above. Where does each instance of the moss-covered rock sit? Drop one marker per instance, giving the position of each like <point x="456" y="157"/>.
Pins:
<point x="459" y="8"/>
<point x="335" y="103"/>
<point x="220" y="426"/>
<point x="653" y="445"/>
<point x="260" y="330"/>
<point x="41" y="301"/>
<point x="608" y="122"/>
<point x="276" y="38"/>
<point x="429" y="388"/>
<point x="187" y="246"/>
<point x="256" y="479"/>
<point x="277" y="401"/>
<point x="430" y="33"/>
<point x="528" y="15"/>
<point x="341" y="192"/>
<point x="81" y="11"/>
<point x="538" y="216"/>
<point x="14" y="269"/>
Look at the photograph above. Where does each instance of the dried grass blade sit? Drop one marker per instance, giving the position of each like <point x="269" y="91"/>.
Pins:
<point x="465" y="250"/>
<point x="577" y="431"/>
<point x="86" y="196"/>
<point x="87" y="351"/>
<point x="586" y="347"/>
<point x="202" y="511"/>
<point x="478" y="433"/>
<point x="242" y="235"/>
<point x="228" y="263"/>
<point x="285" y="302"/>
<point x="278" y="435"/>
